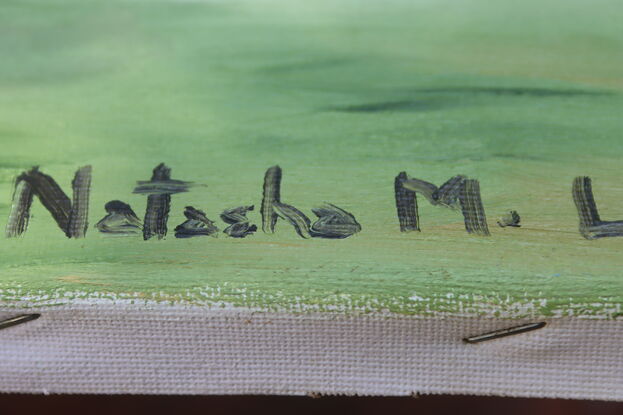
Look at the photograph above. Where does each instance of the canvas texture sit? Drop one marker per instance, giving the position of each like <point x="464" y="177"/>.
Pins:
<point x="311" y="197"/>
<point x="162" y="349"/>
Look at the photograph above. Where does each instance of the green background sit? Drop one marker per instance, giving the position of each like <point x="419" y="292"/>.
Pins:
<point x="523" y="96"/>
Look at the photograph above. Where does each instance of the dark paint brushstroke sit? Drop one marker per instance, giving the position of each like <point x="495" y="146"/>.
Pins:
<point x="406" y="205"/>
<point x="156" y="216"/>
<point x="159" y="188"/>
<point x="472" y="208"/>
<point x="239" y="226"/>
<point x="426" y="189"/>
<point x="271" y="195"/>
<point x="236" y="215"/>
<point x="448" y="193"/>
<point x="517" y="91"/>
<point x="71" y="218"/>
<point x="120" y="220"/>
<point x="511" y="219"/>
<point x="458" y="191"/>
<point x="394" y="106"/>
<point x="582" y="192"/>
<point x="431" y="99"/>
<point x="591" y="225"/>
<point x="240" y="230"/>
<point x="20" y="209"/>
<point x="50" y="194"/>
<point x="196" y="224"/>
<point x="334" y="223"/>
<point x="295" y="217"/>
<point x="78" y="217"/>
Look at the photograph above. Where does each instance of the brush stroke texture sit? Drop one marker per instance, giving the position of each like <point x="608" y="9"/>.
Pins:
<point x="471" y="206"/>
<point x="240" y="230"/>
<point x="446" y="195"/>
<point x="50" y="194"/>
<point x="20" y="209"/>
<point x="514" y="91"/>
<point x="271" y="194"/>
<point x="196" y="224"/>
<point x="237" y="214"/>
<point x="78" y="217"/>
<point x="458" y="191"/>
<point x="295" y="217"/>
<point x="396" y="106"/>
<point x="71" y="219"/>
<point x="511" y="219"/>
<point x="239" y="226"/>
<point x="159" y="188"/>
<point x="591" y="225"/>
<point x="432" y="99"/>
<point x="426" y="189"/>
<point x="334" y="223"/>
<point x="406" y="205"/>
<point x="120" y="219"/>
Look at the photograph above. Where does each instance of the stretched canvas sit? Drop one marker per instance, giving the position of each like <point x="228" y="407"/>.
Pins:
<point x="288" y="197"/>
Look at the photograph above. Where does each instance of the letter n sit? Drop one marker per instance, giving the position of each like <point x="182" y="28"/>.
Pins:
<point x="71" y="216"/>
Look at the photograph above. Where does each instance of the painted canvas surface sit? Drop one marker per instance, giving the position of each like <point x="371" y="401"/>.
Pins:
<point x="413" y="157"/>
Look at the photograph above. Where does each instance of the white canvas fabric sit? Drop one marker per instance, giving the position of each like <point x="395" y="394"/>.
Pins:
<point x="164" y="349"/>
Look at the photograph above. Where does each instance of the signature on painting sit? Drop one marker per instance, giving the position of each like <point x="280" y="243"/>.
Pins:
<point x="459" y="193"/>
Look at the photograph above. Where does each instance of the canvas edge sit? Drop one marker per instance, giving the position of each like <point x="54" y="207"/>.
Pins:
<point x="163" y="349"/>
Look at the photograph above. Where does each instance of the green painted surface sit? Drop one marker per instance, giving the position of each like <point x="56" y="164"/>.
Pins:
<point x="342" y="95"/>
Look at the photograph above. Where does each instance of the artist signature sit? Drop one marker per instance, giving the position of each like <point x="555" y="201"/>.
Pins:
<point x="459" y="193"/>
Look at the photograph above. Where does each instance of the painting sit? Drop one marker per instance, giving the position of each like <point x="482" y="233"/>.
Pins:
<point x="412" y="159"/>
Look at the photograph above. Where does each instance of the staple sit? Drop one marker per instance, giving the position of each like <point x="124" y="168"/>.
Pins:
<point x="504" y="332"/>
<point x="14" y="321"/>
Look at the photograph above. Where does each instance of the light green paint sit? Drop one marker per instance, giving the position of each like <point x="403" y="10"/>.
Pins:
<point x="222" y="90"/>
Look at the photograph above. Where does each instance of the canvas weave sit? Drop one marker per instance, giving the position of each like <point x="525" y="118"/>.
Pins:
<point x="192" y="350"/>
